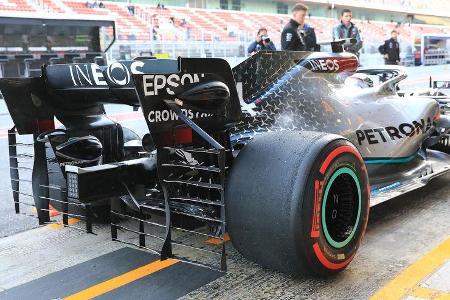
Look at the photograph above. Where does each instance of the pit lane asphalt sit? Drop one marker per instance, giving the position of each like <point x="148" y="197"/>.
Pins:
<point x="400" y="231"/>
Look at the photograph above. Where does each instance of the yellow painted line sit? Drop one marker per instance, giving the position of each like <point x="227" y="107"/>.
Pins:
<point x="429" y="294"/>
<point x="121" y="280"/>
<point x="216" y="241"/>
<point x="58" y="225"/>
<point x="407" y="280"/>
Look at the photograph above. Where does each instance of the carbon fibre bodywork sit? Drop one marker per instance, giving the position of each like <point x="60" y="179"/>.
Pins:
<point x="276" y="90"/>
<point x="388" y="130"/>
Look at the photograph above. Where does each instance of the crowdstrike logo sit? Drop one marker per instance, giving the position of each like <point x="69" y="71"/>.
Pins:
<point x="156" y="116"/>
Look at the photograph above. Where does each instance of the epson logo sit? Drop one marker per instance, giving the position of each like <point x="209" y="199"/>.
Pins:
<point x="153" y="84"/>
<point x="117" y="73"/>
<point x="324" y="65"/>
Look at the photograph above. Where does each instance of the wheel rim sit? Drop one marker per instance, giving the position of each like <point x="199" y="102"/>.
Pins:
<point x="341" y="207"/>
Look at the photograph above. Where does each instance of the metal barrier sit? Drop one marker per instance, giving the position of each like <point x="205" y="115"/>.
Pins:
<point x="129" y="49"/>
<point x="234" y="52"/>
<point x="33" y="197"/>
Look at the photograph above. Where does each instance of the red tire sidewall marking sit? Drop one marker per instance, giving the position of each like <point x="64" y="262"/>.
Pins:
<point x="336" y="152"/>
<point x="318" y="191"/>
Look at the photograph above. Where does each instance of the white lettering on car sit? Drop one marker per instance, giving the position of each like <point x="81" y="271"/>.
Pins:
<point x="172" y="81"/>
<point x="324" y="65"/>
<point x="154" y="84"/>
<point x="148" y="85"/>
<point x="91" y="75"/>
<point x="157" y="116"/>
<point x="124" y="77"/>
<point x="135" y="65"/>
<point x="98" y="75"/>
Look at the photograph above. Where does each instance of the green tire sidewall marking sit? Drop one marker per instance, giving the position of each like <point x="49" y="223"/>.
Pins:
<point x="330" y="240"/>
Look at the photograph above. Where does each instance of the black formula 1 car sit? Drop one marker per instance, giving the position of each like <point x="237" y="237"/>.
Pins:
<point x="286" y="152"/>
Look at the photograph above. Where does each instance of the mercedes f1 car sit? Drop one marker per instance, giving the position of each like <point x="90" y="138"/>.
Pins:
<point x="286" y="152"/>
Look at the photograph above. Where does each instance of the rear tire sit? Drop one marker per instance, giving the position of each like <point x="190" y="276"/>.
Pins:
<point x="298" y="202"/>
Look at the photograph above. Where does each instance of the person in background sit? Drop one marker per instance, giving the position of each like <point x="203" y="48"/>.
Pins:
<point x="296" y="35"/>
<point x="391" y="49"/>
<point x="261" y="42"/>
<point x="346" y="29"/>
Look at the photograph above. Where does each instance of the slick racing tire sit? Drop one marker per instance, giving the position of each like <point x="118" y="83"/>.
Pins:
<point x="298" y="202"/>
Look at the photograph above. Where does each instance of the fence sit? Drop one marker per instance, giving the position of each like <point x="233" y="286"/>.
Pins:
<point x="233" y="52"/>
<point x="128" y="49"/>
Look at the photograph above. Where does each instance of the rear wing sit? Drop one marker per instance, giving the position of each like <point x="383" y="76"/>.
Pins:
<point x="82" y="89"/>
<point x="154" y="90"/>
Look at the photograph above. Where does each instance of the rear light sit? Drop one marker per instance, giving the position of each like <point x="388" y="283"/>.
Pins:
<point x="45" y="125"/>
<point x="182" y="136"/>
<point x="40" y="126"/>
<point x="177" y="136"/>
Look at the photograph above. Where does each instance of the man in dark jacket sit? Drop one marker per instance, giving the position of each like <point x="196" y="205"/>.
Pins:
<point x="391" y="49"/>
<point x="346" y="29"/>
<point x="296" y="35"/>
<point x="262" y="42"/>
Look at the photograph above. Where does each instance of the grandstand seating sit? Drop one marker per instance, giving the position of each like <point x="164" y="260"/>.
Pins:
<point x="205" y="25"/>
<point x="15" y="5"/>
<point x="50" y="6"/>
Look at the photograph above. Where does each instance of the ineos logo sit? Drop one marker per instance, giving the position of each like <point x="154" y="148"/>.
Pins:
<point x="91" y="75"/>
<point x="324" y="65"/>
<point x="86" y="75"/>
<point x="121" y="69"/>
<point x="119" y="74"/>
